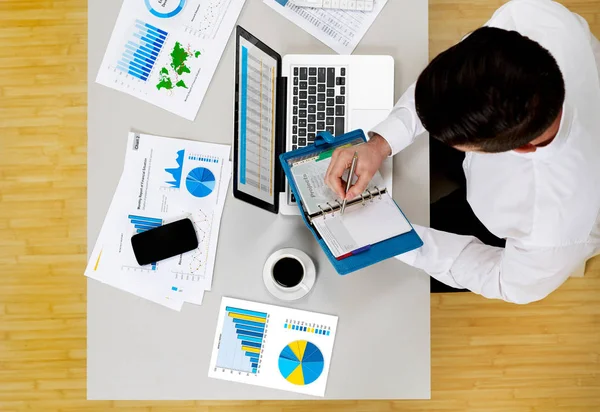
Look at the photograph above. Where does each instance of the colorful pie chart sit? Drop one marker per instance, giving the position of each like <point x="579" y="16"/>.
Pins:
<point x="301" y="362"/>
<point x="200" y="182"/>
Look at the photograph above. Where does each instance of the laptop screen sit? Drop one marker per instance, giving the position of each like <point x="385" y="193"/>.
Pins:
<point x="256" y="153"/>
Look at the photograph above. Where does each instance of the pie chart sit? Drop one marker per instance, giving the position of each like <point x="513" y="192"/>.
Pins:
<point x="301" y="362"/>
<point x="163" y="9"/>
<point x="200" y="182"/>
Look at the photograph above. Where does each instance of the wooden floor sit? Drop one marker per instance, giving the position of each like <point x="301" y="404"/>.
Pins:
<point x="486" y="355"/>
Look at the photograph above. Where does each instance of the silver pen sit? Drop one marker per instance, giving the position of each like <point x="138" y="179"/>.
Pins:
<point x="349" y="182"/>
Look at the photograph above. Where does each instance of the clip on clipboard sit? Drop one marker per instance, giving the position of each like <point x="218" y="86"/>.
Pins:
<point x="315" y="215"/>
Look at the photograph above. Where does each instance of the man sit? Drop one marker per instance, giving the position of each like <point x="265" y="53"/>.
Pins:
<point x="521" y="97"/>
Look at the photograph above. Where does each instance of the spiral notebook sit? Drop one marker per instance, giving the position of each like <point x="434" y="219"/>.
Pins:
<point x="316" y="196"/>
<point x="369" y="218"/>
<point x="372" y="229"/>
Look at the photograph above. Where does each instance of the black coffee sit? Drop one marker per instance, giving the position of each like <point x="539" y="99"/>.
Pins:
<point x="288" y="272"/>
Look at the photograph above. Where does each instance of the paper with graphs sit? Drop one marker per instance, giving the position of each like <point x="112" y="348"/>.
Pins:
<point x="166" y="51"/>
<point x="164" y="180"/>
<point x="341" y="30"/>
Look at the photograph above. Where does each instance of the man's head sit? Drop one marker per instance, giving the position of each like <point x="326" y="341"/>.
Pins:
<point x="493" y="92"/>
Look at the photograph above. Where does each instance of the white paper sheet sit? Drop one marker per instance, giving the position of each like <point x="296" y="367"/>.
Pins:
<point x="164" y="180"/>
<point x="341" y="30"/>
<point x="362" y="225"/>
<point x="166" y="51"/>
<point x="273" y="346"/>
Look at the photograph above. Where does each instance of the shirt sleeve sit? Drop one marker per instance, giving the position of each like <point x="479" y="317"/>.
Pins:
<point x="402" y="125"/>
<point x="594" y="43"/>
<point x="596" y="49"/>
<point x="515" y="273"/>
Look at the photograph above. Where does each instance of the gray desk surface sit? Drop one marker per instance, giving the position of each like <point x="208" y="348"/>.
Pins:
<point x="139" y="350"/>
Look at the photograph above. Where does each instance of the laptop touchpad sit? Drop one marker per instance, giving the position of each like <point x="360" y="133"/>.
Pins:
<point x="366" y="119"/>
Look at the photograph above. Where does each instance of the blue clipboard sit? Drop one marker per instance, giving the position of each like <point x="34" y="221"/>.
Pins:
<point x="379" y="251"/>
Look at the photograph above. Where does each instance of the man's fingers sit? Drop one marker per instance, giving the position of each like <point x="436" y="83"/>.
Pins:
<point x="336" y="153"/>
<point x="335" y="172"/>
<point x="338" y="186"/>
<point x="359" y="187"/>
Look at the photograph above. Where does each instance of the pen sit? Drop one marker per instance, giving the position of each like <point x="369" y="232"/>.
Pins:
<point x="354" y="252"/>
<point x="349" y="182"/>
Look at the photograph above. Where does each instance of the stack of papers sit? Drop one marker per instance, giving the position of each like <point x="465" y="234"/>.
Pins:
<point x="164" y="180"/>
<point x="339" y="29"/>
<point x="166" y="51"/>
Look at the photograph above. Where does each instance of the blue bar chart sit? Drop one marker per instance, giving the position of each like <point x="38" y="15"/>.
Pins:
<point x="308" y="327"/>
<point x="142" y="224"/>
<point x="242" y="339"/>
<point x="200" y="157"/>
<point x="142" y="50"/>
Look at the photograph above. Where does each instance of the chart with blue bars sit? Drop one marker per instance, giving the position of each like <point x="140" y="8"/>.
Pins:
<point x="142" y="50"/>
<point x="244" y="332"/>
<point x="203" y="158"/>
<point x="307" y="327"/>
<point x="142" y="224"/>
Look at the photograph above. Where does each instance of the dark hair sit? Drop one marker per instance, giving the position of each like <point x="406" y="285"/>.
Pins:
<point x="495" y="91"/>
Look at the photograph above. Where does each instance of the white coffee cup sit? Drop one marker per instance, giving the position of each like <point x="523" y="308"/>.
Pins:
<point x="289" y="274"/>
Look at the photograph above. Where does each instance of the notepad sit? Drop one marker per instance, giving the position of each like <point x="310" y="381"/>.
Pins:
<point x="316" y="196"/>
<point x="362" y="225"/>
<point x="373" y="228"/>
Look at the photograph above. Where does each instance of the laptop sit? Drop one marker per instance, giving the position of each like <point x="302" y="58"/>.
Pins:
<point x="281" y="105"/>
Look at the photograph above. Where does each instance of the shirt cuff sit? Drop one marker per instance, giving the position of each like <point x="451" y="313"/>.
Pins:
<point x="409" y="257"/>
<point x="394" y="131"/>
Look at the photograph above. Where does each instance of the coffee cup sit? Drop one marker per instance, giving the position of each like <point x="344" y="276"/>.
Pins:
<point x="289" y="273"/>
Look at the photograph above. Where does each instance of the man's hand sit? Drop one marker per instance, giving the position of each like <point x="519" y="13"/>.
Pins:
<point x="370" y="157"/>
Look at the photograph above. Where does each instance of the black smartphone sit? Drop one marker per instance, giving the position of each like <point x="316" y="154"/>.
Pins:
<point x="164" y="242"/>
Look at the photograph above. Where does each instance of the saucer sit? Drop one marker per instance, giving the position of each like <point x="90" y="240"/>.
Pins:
<point x="310" y="275"/>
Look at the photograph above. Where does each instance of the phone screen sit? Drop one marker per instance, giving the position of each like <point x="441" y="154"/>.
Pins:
<point x="164" y="242"/>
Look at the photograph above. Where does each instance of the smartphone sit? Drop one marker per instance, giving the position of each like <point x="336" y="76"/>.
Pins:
<point x="164" y="242"/>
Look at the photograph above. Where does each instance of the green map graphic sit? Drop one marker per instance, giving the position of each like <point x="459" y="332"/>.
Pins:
<point x="180" y="58"/>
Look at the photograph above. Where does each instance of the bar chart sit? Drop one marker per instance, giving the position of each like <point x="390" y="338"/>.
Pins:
<point x="142" y="224"/>
<point x="203" y="158"/>
<point x="141" y="50"/>
<point x="308" y="327"/>
<point x="242" y="340"/>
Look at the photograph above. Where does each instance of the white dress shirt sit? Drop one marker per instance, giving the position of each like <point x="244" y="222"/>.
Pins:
<point x="546" y="204"/>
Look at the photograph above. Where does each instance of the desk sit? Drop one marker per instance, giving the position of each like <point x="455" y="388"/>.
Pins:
<point x="139" y="350"/>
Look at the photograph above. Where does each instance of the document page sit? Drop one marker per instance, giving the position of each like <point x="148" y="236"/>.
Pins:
<point x="341" y="30"/>
<point x="362" y="226"/>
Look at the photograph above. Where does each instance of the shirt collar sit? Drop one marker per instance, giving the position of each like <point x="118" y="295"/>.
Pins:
<point x="561" y="137"/>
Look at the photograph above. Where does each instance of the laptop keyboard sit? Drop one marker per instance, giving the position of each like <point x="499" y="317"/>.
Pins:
<point x="318" y="103"/>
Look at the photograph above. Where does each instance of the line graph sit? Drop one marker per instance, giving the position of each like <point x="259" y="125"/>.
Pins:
<point x="207" y="18"/>
<point x="193" y="267"/>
